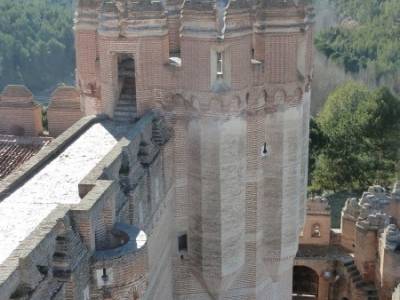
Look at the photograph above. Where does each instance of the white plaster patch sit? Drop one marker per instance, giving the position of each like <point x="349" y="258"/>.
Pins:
<point x="57" y="183"/>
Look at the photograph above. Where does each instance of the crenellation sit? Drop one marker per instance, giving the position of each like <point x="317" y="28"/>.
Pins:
<point x="19" y="114"/>
<point x="64" y="110"/>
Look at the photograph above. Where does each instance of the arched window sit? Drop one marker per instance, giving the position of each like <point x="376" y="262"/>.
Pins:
<point x="316" y="231"/>
<point x="279" y="97"/>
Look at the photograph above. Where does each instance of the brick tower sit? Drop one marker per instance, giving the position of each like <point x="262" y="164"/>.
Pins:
<point x="232" y="78"/>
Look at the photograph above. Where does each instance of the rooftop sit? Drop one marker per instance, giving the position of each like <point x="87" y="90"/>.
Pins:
<point x="14" y="151"/>
<point x="330" y="252"/>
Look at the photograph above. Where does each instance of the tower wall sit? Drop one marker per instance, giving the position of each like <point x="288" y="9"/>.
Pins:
<point x="238" y="82"/>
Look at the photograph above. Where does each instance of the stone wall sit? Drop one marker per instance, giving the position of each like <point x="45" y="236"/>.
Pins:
<point x="364" y="252"/>
<point x="317" y="228"/>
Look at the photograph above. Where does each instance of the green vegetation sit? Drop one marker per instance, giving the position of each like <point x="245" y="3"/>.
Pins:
<point x="36" y="42"/>
<point x="355" y="140"/>
<point x="368" y="40"/>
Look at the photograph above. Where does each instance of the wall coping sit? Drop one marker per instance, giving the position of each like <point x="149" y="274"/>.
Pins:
<point x="16" y="179"/>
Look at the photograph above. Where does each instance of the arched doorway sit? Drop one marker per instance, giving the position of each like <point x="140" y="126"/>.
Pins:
<point x="305" y="283"/>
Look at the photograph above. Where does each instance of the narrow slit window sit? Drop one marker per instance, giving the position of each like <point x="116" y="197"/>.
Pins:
<point x="220" y="64"/>
<point x="105" y="275"/>
<point x="182" y="243"/>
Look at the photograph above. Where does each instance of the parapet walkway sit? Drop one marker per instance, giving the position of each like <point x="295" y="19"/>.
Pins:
<point x="55" y="184"/>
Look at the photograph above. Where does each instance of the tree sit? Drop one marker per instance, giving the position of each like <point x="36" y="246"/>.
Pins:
<point x="370" y="41"/>
<point x="361" y="132"/>
<point x="36" y="42"/>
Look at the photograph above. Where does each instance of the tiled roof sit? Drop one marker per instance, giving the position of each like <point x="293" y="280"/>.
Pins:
<point x="14" y="151"/>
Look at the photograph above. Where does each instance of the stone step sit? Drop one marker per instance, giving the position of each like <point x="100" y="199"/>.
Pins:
<point x="120" y="112"/>
<point x="124" y="120"/>
<point x="127" y="91"/>
<point x="126" y="103"/>
<point x="124" y="117"/>
<point x="128" y="117"/>
<point x="124" y="113"/>
<point x="125" y="107"/>
<point x="127" y="98"/>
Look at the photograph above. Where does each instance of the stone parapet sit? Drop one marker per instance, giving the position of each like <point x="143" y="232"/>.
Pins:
<point x="76" y="242"/>
<point x="15" y="180"/>
<point x="126" y="265"/>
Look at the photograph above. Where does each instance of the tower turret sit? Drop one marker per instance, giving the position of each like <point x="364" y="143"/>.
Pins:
<point x="233" y="79"/>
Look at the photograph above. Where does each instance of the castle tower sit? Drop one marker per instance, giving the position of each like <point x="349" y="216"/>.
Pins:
<point x="232" y="78"/>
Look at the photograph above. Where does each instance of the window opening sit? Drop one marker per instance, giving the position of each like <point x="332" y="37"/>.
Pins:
<point x="104" y="276"/>
<point x="220" y="65"/>
<point x="316" y="231"/>
<point x="182" y="243"/>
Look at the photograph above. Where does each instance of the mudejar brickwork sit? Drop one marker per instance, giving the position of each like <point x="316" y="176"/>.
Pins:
<point x="187" y="178"/>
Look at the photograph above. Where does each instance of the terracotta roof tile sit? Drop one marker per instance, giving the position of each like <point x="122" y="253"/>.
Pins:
<point x="14" y="151"/>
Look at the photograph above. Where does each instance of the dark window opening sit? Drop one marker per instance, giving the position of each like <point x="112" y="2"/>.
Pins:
<point x="305" y="283"/>
<point x="44" y="270"/>
<point x="182" y="243"/>
<point x="104" y="276"/>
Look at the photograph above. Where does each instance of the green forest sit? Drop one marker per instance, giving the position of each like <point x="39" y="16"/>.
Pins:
<point x="367" y="36"/>
<point x="355" y="138"/>
<point x="36" y="43"/>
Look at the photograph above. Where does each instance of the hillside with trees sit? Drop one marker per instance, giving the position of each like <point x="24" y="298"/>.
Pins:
<point x="355" y="140"/>
<point x="367" y="38"/>
<point x="36" y="43"/>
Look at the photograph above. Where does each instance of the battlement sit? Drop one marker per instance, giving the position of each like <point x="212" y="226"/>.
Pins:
<point x="64" y="109"/>
<point x="19" y="114"/>
<point x="233" y="48"/>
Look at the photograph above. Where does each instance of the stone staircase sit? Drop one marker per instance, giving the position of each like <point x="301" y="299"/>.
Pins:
<point x="125" y="110"/>
<point x="367" y="290"/>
